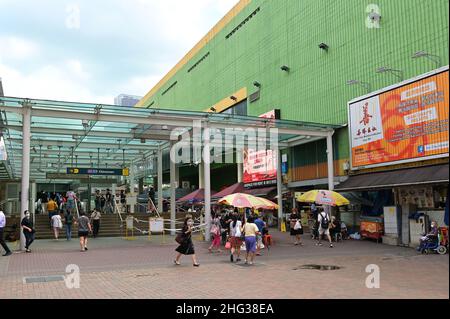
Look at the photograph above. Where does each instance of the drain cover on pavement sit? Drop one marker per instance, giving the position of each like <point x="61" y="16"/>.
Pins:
<point x="318" y="267"/>
<point x="32" y="280"/>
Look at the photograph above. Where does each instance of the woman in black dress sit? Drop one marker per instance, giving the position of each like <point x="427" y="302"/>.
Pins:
<point x="187" y="246"/>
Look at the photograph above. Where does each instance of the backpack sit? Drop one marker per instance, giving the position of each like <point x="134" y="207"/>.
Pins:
<point x="325" y="223"/>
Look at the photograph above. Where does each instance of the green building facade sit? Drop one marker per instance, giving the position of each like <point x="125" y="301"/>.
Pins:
<point x="321" y="45"/>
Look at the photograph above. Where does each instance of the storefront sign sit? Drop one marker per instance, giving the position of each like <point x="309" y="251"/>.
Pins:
<point x="260" y="167"/>
<point x="401" y="124"/>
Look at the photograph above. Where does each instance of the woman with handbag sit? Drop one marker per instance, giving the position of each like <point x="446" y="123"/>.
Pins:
<point x="235" y="237"/>
<point x="296" y="226"/>
<point x="186" y="246"/>
<point x="216" y="234"/>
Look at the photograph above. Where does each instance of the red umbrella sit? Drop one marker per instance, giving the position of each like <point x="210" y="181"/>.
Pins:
<point x="194" y="197"/>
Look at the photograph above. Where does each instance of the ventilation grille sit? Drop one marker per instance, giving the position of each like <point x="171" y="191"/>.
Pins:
<point x="198" y="62"/>
<point x="229" y="35"/>
<point x="255" y="96"/>
<point x="169" y="88"/>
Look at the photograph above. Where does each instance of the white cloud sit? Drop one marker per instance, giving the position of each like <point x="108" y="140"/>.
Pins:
<point x="15" y="48"/>
<point x="133" y="27"/>
<point x="51" y="82"/>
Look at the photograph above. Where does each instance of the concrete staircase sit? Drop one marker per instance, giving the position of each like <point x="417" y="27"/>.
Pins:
<point x="110" y="226"/>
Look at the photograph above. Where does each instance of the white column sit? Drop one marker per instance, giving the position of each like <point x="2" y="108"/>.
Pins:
<point x="132" y="183"/>
<point x="32" y="199"/>
<point x="240" y="166"/>
<point x="173" y="200"/>
<point x="160" y="180"/>
<point x="279" y="189"/>
<point x="330" y="161"/>
<point x="177" y="176"/>
<point x="207" y="175"/>
<point x="201" y="175"/>
<point x="26" y="140"/>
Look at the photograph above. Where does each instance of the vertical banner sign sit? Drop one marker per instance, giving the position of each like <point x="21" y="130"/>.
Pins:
<point x="402" y="124"/>
<point x="260" y="167"/>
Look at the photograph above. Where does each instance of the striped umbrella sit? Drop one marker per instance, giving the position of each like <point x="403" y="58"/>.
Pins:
<point x="241" y="200"/>
<point x="324" y="197"/>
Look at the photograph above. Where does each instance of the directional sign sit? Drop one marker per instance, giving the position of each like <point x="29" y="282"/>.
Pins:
<point x="98" y="171"/>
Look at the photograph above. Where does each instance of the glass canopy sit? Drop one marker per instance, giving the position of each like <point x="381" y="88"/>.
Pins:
<point x="67" y="134"/>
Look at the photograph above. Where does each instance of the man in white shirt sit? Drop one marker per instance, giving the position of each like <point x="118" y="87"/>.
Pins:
<point x="324" y="227"/>
<point x="2" y="228"/>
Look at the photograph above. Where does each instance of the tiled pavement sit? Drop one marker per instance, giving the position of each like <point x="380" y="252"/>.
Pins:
<point x="116" y="268"/>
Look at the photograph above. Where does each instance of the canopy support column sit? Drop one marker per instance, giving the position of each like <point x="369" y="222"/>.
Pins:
<point x="25" y="183"/>
<point x="330" y="161"/>
<point x="207" y="181"/>
<point x="160" y="180"/>
<point x="279" y="189"/>
<point x="240" y="166"/>
<point x="173" y="193"/>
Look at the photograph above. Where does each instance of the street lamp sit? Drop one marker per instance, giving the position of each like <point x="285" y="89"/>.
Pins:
<point x="432" y="57"/>
<point x="396" y="73"/>
<point x="365" y="85"/>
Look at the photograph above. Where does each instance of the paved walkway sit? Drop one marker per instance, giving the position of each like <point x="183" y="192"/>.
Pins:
<point x="117" y="268"/>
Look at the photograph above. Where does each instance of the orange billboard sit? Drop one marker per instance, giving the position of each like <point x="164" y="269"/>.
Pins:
<point x="400" y="124"/>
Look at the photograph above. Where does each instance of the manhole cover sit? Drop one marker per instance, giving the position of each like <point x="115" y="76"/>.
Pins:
<point x="318" y="267"/>
<point x="32" y="280"/>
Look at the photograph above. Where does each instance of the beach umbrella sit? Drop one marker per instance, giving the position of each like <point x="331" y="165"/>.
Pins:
<point x="323" y="197"/>
<point x="241" y="200"/>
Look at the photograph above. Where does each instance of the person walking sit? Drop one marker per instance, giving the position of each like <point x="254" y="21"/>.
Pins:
<point x="84" y="228"/>
<point x="109" y="208"/>
<point x="28" y="230"/>
<point x="102" y="203"/>
<point x="68" y="220"/>
<point x="95" y="220"/>
<point x="98" y="200"/>
<point x="71" y="200"/>
<point x="216" y="234"/>
<point x="57" y="225"/>
<point x="235" y="237"/>
<point x="2" y="239"/>
<point x="186" y="246"/>
<point x="44" y="202"/>
<point x="151" y="200"/>
<point x="324" y="227"/>
<point x="123" y="201"/>
<point x="296" y="226"/>
<point x="261" y="224"/>
<point x="52" y="208"/>
<point x="250" y="230"/>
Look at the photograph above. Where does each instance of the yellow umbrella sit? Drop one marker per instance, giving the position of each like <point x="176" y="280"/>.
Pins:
<point x="241" y="200"/>
<point x="323" y="197"/>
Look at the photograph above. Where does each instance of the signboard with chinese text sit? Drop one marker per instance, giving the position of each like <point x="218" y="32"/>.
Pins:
<point x="401" y="124"/>
<point x="260" y="167"/>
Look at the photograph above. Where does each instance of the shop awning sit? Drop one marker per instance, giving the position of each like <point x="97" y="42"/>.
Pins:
<point x="260" y="191"/>
<point x="403" y="177"/>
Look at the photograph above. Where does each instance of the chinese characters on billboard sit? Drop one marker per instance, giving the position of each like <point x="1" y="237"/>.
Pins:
<point x="260" y="167"/>
<point x="407" y="123"/>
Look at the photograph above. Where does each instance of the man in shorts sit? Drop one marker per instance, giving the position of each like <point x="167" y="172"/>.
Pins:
<point x="261" y="224"/>
<point x="324" y="227"/>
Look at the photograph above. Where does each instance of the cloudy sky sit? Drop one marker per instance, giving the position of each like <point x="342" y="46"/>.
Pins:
<point x="92" y="51"/>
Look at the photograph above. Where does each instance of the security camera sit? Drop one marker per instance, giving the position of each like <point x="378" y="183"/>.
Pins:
<point x="374" y="16"/>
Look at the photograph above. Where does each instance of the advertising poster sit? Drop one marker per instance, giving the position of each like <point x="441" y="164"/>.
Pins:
<point x="260" y="167"/>
<point x="404" y="124"/>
